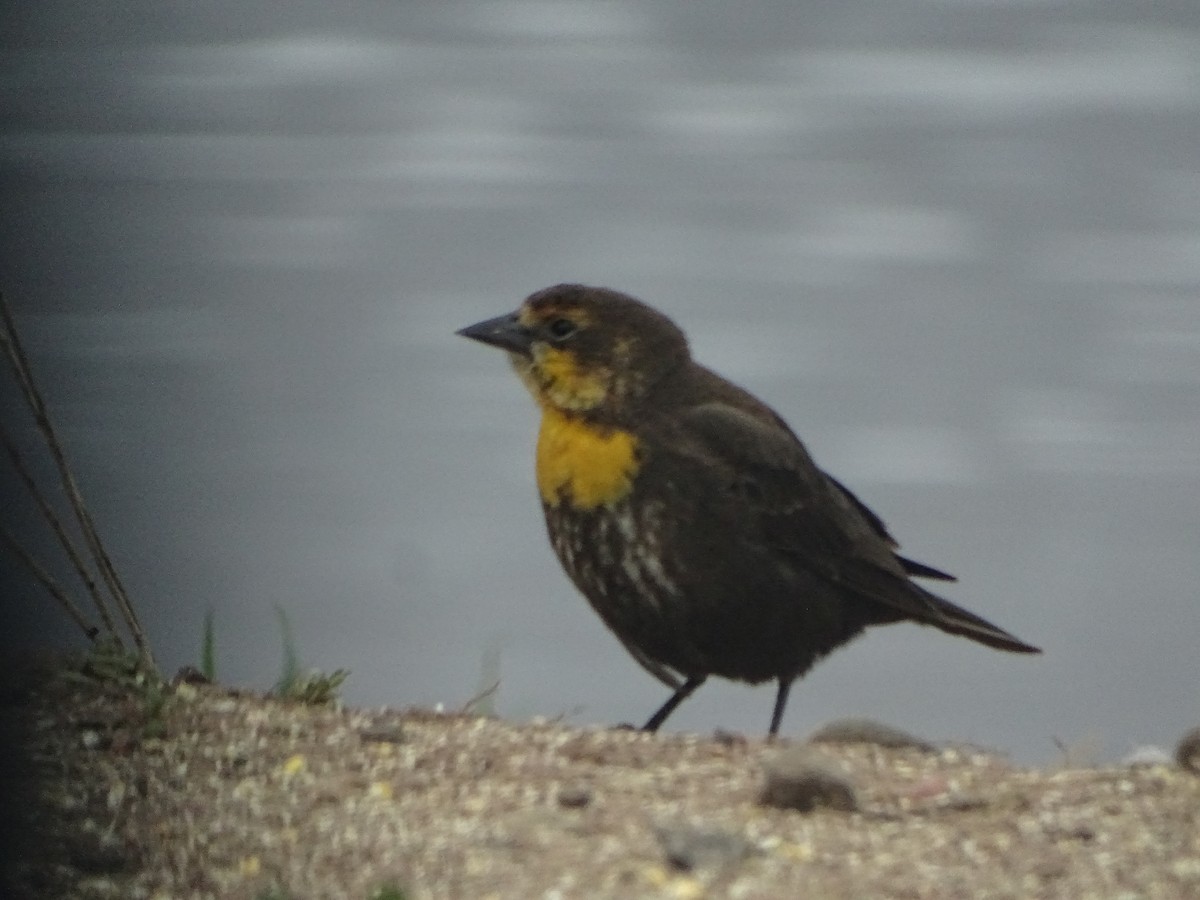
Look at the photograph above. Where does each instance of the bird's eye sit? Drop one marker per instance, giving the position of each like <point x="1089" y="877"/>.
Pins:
<point x="560" y="329"/>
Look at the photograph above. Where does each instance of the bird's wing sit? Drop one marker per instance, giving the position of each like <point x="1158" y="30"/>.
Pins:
<point x="911" y="566"/>
<point x="767" y="473"/>
<point x="816" y="523"/>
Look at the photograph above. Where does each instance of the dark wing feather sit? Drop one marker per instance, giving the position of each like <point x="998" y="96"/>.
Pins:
<point x="803" y="512"/>
<point x="911" y="566"/>
<point x="818" y="524"/>
<point x="920" y="570"/>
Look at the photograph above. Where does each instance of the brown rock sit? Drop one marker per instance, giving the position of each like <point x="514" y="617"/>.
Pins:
<point x="1187" y="753"/>
<point x="800" y="778"/>
<point x="868" y="731"/>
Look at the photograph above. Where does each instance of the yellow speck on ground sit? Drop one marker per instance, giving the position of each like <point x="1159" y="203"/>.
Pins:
<point x="294" y="765"/>
<point x="381" y="790"/>
<point x="686" y="888"/>
<point x="797" y="852"/>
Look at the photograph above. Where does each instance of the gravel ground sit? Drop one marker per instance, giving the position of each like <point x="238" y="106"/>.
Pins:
<point x="216" y="794"/>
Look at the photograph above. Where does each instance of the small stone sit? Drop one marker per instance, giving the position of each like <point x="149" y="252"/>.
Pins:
<point x="688" y="849"/>
<point x="729" y="738"/>
<point x="800" y="778"/>
<point x="926" y="788"/>
<point x="868" y="731"/>
<point x="186" y="692"/>
<point x="189" y="675"/>
<point x="1050" y="869"/>
<point x="385" y="734"/>
<point x="1146" y="756"/>
<point x="575" y="797"/>
<point x="1187" y="753"/>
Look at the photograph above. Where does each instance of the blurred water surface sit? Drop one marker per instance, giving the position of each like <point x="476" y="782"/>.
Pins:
<point x="955" y="244"/>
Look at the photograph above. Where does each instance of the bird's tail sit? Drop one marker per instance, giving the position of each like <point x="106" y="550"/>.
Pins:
<point x="898" y="598"/>
<point x="954" y="619"/>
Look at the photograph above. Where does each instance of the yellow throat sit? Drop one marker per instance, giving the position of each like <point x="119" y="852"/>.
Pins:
<point x="588" y="465"/>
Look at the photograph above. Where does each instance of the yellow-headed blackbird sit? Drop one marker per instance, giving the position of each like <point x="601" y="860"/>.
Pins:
<point x="689" y="514"/>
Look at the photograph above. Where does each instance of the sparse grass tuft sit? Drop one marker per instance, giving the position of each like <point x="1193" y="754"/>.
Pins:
<point x="110" y="662"/>
<point x="314" y="688"/>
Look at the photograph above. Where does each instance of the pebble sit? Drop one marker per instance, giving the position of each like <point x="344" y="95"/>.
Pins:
<point x="803" y="779"/>
<point x="688" y="848"/>
<point x="1147" y="756"/>
<point x="1187" y="753"/>
<point x="384" y="734"/>
<point x="574" y="797"/>
<point x="868" y="731"/>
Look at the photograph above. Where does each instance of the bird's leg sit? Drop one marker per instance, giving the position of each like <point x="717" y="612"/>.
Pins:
<point x="681" y="693"/>
<point x="785" y="685"/>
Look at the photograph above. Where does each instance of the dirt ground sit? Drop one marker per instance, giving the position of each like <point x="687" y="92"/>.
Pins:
<point x="116" y="792"/>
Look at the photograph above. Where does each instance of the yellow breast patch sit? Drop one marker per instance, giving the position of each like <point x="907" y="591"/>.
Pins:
<point x="590" y="466"/>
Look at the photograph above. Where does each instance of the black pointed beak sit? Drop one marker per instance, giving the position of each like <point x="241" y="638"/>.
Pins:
<point x="504" y="332"/>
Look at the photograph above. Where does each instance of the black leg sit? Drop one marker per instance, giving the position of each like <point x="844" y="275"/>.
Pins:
<point x="682" y="693"/>
<point x="785" y="685"/>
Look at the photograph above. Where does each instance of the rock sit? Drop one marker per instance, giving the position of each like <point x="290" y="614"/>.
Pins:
<point x="688" y="848"/>
<point x="382" y="734"/>
<point x="574" y="797"/>
<point x="1187" y="753"/>
<point x="190" y="675"/>
<point x="729" y="738"/>
<point x="1147" y="756"/>
<point x="868" y="731"/>
<point x="803" y="779"/>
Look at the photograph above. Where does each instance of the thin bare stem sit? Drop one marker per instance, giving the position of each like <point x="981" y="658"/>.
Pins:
<point x="49" y="583"/>
<point x="61" y="533"/>
<point x="24" y="375"/>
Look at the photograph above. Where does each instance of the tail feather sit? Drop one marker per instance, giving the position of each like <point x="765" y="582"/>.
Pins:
<point x="954" y="619"/>
<point x="897" y="598"/>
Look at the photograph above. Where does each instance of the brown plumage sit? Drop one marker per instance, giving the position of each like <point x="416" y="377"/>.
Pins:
<point x="690" y="515"/>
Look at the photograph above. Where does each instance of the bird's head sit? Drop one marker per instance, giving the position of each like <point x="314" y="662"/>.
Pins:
<point x="586" y="351"/>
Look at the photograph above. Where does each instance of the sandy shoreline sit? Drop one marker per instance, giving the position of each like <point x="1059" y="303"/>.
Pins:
<point x="231" y="795"/>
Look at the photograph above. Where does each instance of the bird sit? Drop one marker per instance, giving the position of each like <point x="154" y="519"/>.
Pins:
<point x="690" y="515"/>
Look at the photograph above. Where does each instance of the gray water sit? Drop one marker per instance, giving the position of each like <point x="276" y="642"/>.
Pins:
<point x="955" y="244"/>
